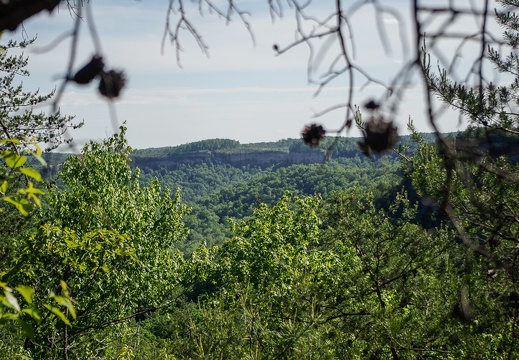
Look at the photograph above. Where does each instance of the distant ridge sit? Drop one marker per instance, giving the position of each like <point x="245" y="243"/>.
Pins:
<point x="226" y="151"/>
<point x="231" y="152"/>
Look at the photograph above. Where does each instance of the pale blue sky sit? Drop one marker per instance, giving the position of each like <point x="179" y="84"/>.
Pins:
<point x="241" y="92"/>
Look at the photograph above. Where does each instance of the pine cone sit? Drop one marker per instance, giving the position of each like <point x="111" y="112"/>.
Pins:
<point x="88" y="72"/>
<point x="111" y="84"/>
<point x="379" y="136"/>
<point x="313" y="134"/>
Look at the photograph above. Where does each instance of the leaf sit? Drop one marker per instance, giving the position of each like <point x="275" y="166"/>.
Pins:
<point x="40" y="159"/>
<point x="32" y="193"/>
<point x="27" y="292"/>
<point x="7" y="141"/>
<point x="13" y="160"/>
<point x="39" y="152"/>
<point x="61" y="300"/>
<point x="35" y="199"/>
<point x="11" y="300"/>
<point x="30" y="190"/>
<point x="57" y="312"/>
<point x="3" y="187"/>
<point x="34" y="313"/>
<point x="7" y="317"/>
<point x="31" y="173"/>
<point x="3" y="285"/>
<point x="21" y="204"/>
<point x="27" y="328"/>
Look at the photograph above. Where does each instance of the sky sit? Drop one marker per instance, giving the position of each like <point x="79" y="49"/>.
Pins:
<point x="243" y="91"/>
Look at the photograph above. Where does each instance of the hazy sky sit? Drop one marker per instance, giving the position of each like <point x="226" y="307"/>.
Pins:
<point x="242" y="92"/>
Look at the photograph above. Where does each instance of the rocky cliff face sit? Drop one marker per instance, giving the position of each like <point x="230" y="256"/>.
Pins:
<point x="305" y="157"/>
<point x="253" y="158"/>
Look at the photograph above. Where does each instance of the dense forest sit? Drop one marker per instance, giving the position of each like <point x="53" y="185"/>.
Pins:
<point x="316" y="248"/>
<point x="219" y="188"/>
<point x="339" y="259"/>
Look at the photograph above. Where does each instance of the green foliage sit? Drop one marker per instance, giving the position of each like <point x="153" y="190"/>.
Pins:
<point x="349" y="276"/>
<point x="199" y="146"/>
<point x="18" y="119"/>
<point x="346" y="266"/>
<point x="481" y="206"/>
<point x="471" y="180"/>
<point x="262" y="248"/>
<point x="14" y="171"/>
<point x="396" y="268"/>
<point x="26" y="314"/>
<point x="340" y="279"/>
<point x="21" y="131"/>
<point x="111" y="240"/>
<point x="197" y="181"/>
<point x="256" y="272"/>
<point x="217" y="191"/>
<point x="336" y="147"/>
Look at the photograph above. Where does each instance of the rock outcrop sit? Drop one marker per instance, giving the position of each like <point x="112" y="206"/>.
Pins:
<point x="254" y="158"/>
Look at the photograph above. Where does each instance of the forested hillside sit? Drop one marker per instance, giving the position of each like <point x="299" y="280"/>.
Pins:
<point x="337" y="258"/>
<point x="341" y="266"/>
<point x="218" y="187"/>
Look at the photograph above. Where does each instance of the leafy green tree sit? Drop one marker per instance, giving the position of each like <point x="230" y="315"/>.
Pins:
<point x="21" y="129"/>
<point x="18" y="305"/>
<point x="111" y="241"/>
<point x="253" y="276"/>
<point x="339" y="279"/>
<point x="18" y="120"/>
<point x="471" y="179"/>
<point x="478" y="205"/>
<point x="408" y="281"/>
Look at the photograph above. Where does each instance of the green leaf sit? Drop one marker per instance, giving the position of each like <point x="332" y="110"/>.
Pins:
<point x="8" y="317"/>
<point x="27" y="328"/>
<point x="3" y="285"/>
<point x="27" y="292"/>
<point x="39" y="152"/>
<point x="9" y="141"/>
<point x="31" y="190"/>
<point x="58" y="313"/>
<point x="21" y="204"/>
<point x="13" y="160"/>
<point x="34" y="313"/>
<point x="40" y="159"/>
<point x="31" y="173"/>
<point x="61" y="300"/>
<point x="3" y="187"/>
